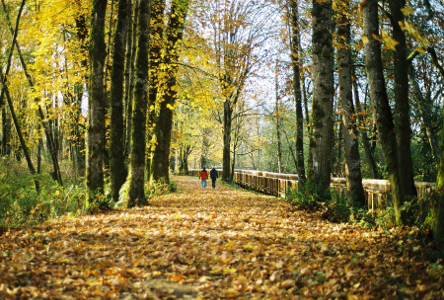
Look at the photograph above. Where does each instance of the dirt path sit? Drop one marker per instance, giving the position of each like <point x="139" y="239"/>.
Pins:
<point x="214" y="244"/>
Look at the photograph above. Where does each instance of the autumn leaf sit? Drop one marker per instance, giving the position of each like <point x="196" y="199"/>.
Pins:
<point x="176" y="248"/>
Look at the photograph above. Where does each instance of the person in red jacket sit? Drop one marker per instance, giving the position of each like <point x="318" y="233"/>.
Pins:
<point x="203" y="176"/>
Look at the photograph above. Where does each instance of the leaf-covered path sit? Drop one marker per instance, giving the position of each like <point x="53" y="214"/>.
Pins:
<point x="214" y="244"/>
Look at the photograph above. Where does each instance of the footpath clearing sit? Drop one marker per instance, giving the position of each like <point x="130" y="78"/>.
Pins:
<point x="214" y="244"/>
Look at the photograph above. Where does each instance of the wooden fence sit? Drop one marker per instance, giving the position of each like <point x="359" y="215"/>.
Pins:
<point x="277" y="184"/>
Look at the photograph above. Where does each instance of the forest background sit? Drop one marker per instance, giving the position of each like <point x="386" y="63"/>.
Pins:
<point x="101" y="100"/>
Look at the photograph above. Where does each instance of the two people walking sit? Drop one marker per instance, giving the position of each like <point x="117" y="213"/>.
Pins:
<point x="204" y="175"/>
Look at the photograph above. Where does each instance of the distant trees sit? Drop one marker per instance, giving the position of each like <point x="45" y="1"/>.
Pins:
<point x="238" y="31"/>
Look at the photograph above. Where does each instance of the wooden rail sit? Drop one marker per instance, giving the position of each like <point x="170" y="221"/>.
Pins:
<point x="277" y="184"/>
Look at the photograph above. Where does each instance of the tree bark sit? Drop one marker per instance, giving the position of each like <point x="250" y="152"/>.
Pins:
<point x="226" y="156"/>
<point x="322" y="110"/>
<point x="117" y="169"/>
<point x="95" y="135"/>
<point x="278" y="122"/>
<point x="136" y="193"/>
<point x="296" y="64"/>
<point x="155" y="60"/>
<point x="6" y="131"/>
<point x="402" y="107"/>
<point x="380" y="104"/>
<point x="164" y="122"/>
<point x="129" y="97"/>
<point x="350" y="134"/>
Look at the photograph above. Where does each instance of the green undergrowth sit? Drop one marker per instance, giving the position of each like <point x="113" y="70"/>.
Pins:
<point x="21" y="204"/>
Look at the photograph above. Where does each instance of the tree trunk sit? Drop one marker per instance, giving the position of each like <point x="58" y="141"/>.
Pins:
<point x="82" y="36"/>
<point x="365" y="140"/>
<point x="136" y="193"/>
<point x="155" y="60"/>
<point x="402" y="107"/>
<point x="380" y="104"/>
<point x="128" y="65"/>
<point x="350" y="134"/>
<point x="278" y="122"/>
<point x="130" y="90"/>
<point x="117" y="169"/>
<point x="108" y="55"/>
<point x="322" y="111"/>
<point x="164" y="122"/>
<point x="39" y="151"/>
<point x="425" y="114"/>
<point x="226" y="157"/>
<point x="296" y="64"/>
<point x="95" y="135"/>
<point x="6" y="131"/>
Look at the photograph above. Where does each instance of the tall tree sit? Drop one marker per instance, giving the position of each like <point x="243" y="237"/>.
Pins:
<point x="322" y="111"/>
<point x="278" y="119"/>
<point x="129" y="86"/>
<point x="136" y="177"/>
<point x="95" y="135"/>
<point x="164" y="121"/>
<point x="378" y="94"/>
<point x="402" y="106"/>
<point x="155" y="60"/>
<point x="350" y="134"/>
<point x="117" y="169"/>
<point x="296" y="64"/>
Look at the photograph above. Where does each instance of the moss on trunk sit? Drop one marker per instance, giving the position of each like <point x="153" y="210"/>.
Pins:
<point x="136" y="193"/>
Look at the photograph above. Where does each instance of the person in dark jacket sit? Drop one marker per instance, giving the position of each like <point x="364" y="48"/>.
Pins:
<point x="213" y="175"/>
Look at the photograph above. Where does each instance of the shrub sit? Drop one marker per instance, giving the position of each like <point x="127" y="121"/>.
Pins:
<point x="308" y="196"/>
<point x="433" y="210"/>
<point x="20" y="203"/>
<point x="338" y="208"/>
